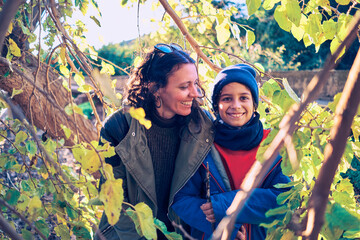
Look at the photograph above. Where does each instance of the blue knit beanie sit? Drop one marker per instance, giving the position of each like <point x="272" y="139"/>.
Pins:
<point x="240" y="73"/>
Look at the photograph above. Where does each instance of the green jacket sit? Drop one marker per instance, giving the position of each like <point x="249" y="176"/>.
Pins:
<point x="136" y="169"/>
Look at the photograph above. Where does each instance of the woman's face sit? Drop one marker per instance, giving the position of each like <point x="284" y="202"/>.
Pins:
<point x="236" y="105"/>
<point x="180" y="91"/>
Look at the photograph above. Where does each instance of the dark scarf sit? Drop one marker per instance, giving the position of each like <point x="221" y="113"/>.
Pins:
<point x="239" y="138"/>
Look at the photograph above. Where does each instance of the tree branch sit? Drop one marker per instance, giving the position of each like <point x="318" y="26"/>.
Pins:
<point x="344" y="114"/>
<point x="6" y="15"/>
<point x="8" y="229"/>
<point x="2" y="202"/>
<point x="186" y="33"/>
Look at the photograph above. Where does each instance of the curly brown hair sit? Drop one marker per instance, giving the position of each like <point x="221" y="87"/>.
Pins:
<point x="152" y="74"/>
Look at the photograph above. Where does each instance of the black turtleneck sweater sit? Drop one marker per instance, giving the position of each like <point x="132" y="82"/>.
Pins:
<point x="163" y="141"/>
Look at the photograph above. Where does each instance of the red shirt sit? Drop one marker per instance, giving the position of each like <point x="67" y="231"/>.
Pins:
<point x="238" y="163"/>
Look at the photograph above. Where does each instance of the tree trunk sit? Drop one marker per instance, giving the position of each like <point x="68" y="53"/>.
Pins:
<point x="43" y="99"/>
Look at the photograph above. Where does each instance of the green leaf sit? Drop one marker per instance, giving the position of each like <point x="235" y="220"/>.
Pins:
<point x="343" y="2"/>
<point x="169" y="235"/>
<point x="290" y="91"/>
<point x="12" y="196"/>
<point x="43" y="227"/>
<point x="95" y="201"/>
<point x="252" y="6"/>
<point x="352" y="234"/>
<point x="313" y="27"/>
<point x="31" y="147"/>
<point x="81" y="232"/>
<point x="96" y="20"/>
<point x="269" y="4"/>
<point x="281" y="18"/>
<point x="293" y="11"/>
<point x="20" y="137"/>
<point x="250" y="38"/>
<point x="71" y="212"/>
<point x="277" y="211"/>
<point x="339" y="217"/>
<point x="123" y="2"/>
<point x="27" y="235"/>
<point x="329" y="27"/>
<point x="343" y="25"/>
<point x="84" y="5"/>
<point x="298" y="32"/>
<point x="222" y="32"/>
<point x="63" y="232"/>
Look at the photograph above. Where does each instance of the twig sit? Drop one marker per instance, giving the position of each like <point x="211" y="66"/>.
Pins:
<point x="186" y="33"/>
<point x="181" y="228"/>
<point x="17" y="112"/>
<point x="2" y="202"/>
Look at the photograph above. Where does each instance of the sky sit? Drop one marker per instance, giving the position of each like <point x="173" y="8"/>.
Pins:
<point x="118" y="23"/>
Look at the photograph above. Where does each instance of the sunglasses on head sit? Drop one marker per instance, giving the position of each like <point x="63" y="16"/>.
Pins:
<point x="164" y="48"/>
<point x="168" y="48"/>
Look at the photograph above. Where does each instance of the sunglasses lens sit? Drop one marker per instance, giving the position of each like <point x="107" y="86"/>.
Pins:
<point x="176" y="47"/>
<point x="163" y="48"/>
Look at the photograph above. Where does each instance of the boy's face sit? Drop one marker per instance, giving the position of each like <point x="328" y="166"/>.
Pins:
<point x="236" y="105"/>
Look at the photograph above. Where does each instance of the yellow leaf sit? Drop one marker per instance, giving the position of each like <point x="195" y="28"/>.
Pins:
<point x="79" y="79"/>
<point x="139" y="114"/>
<point x="143" y="219"/>
<point x="34" y="204"/>
<point x="108" y="172"/>
<point x="16" y="92"/>
<point x="107" y="68"/>
<point x="64" y="71"/>
<point x="222" y="32"/>
<point x="22" y="203"/>
<point x="45" y="175"/>
<point x="250" y="38"/>
<point x="14" y="49"/>
<point x="9" y="31"/>
<point x="91" y="162"/>
<point x="66" y="130"/>
<point x="63" y="55"/>
<point x="112" y="195"/>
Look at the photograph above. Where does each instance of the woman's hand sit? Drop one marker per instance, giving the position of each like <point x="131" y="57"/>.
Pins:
<point x="241" y="234"/>
<point x="208" y="211"/>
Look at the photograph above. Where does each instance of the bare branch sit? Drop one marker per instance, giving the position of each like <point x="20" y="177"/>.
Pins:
<point x="186" y="33"/>
<point x="344" y="116"/>
<point x="8" y="229"/>
<point x="2" y="202"/>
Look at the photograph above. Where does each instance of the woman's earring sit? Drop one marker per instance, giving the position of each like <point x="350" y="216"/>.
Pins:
<point x="158" y="102"/>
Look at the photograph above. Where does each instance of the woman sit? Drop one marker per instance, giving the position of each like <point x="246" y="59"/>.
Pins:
<point x="238" y="133"/>
<point x="154" y="163"/>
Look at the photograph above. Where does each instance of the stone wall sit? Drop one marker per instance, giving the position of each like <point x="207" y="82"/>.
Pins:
<point x="298" y="80"/>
